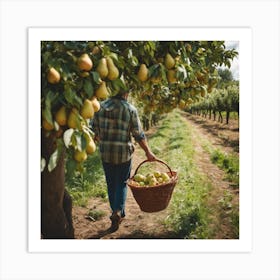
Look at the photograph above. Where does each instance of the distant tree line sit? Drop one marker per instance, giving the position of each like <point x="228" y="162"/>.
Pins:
<point x="224" y="98"/>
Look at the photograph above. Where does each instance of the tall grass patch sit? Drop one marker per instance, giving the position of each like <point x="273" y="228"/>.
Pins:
<point x="229" y="163"/>
<point x="90" y="183"/>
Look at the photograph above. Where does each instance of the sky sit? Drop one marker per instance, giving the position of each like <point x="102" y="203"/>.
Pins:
<point x="235" y="63"/>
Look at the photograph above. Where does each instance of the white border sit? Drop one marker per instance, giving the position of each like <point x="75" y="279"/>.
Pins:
<point x="243" y="35"/>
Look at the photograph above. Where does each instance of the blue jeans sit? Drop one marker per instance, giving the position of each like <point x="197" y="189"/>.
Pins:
<point x="116" y="176"/>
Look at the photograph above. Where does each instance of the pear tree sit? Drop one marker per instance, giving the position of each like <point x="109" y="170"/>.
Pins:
<point x="77" y="75"/>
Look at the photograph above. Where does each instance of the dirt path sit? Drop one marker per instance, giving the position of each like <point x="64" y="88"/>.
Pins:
<point x="223" y="136"/>
<point x="141" y="225"/>
<point x="204" y="129"/>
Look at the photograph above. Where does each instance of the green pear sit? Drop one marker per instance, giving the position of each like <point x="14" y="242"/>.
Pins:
<point x="113" y="72"/>
<point x="143" y="73"/>
<point x="182" y="104"/>
<point x="169" y="61"/>
<point x="84" y="62"/>
<point x="95" y="104"/>
<point x="203" y="91"/>
<point x="61" y="116"/>
<point x="157" y="174"/>
<point x="171" y="76"/>
<point x="87" y="110"/>
<point x="165" y="177"/>
<point x="102" y="92"/>
<point x="80" y="156"/>
<point x="73" y="119"/>
<point x="102" y="68"/>
<point x="53" y="76"/>
<point x="47" y="126"/>
<point x="90" y="145"/>
<point x="139" y="178"/>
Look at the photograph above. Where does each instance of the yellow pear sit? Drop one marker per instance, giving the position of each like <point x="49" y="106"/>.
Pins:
<point x="113" y="72"/>
<point x="203" y="91"/>
<point x="91" y="147"/>
<point x="95" y="50"/>
<point x="169" y="61"/>
<point x="156" y="80"/>
<point x="61" y="116"/>
<point x="80" y="155"/>
<point x="53" y="76"/>
<point x="73" y="119"/>
<point x="87" y="110"/>
<point x="143" y="73"/>
<point x="95" y="104"/>
<point x="102" y="92"/>
<point x="102" y="68"/>
<point x="171" y="76"/>
<point x="84" y="74"/>
<point x="47" y="126"/>
<point x="182" y="104"/>
<point x="84" y="62"/>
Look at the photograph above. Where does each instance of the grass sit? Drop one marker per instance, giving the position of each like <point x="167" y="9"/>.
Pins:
<point x="233" y="115"/>
<point x="95" y="214"/>
<point x="189" y="215"/>
<point x="90" y="183"/>
<point x="228" y="163"/>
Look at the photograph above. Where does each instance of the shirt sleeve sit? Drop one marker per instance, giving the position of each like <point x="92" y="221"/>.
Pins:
<point x="136" y="129"/>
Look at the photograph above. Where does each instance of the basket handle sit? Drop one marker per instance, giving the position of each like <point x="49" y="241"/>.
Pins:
<point x="152" y="161"/>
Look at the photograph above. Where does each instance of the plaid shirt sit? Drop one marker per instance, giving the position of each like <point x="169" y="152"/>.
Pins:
<point x="114" y="124"/>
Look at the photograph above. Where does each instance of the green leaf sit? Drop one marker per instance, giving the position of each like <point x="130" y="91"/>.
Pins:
<point x="69" y="95"/>
<point x="55" y="156"/>
<point x="56" y="126"/>
<point x="78" y="100"/>
<point x="153" y="70"/>
<point x="78" y="138"/>
<point x="43" y="164"/>
<point x="67" y="137"/>
<point x="47" y="114"/>
<point x="134" y="61"/>
<point x="83" y="142"/>
<point x="96" y="77"/>
<point x="71" y="165"/>
<point x="114" y="56"/>
<point x="181" y="72"/>
<point x="118" y="83"/>
<point x="88" y="88"/>
<point x="53" y="160"/>
<point x="162" y="72"/>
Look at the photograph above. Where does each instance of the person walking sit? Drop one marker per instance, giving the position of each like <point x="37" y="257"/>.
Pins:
<point x="114" y="125"/>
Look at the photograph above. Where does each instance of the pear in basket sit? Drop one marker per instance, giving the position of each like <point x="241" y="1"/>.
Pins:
<point x="157" y="174"/>
<point x="165" y="177"/>
<point x="139" y="178"/>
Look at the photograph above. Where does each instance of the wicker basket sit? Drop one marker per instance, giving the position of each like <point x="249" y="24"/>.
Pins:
<point x="154" y="198"/>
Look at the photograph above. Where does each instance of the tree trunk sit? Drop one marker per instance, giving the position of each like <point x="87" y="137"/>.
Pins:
<point x="56" y="203"/>
<point x="227" y="117"/>
<point x="220" y="119"/>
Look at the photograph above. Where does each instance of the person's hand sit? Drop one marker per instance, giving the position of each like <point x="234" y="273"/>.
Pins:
<point x="150" y="156"/>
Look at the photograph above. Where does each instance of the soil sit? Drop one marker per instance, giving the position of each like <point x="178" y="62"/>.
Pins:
<point x="140" y="225"/>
